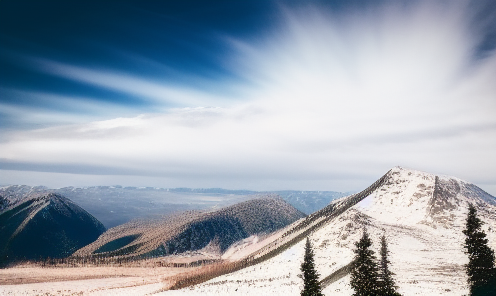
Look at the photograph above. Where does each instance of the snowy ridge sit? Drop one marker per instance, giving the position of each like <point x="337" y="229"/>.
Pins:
<point x="400" y="199"/>
<point x="311" y="223"/>
<point x="421" y="214"/>
<point x="294" y="234"/>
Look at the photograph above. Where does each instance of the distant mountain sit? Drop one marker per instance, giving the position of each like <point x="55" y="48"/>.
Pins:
<point x="115" y="205"/>
<point x="421" y="214"/>
<point x="11" y="195"/>
<point x="44" y="225"/>
<point x="310" y="201"/>
<point x="194" y="231"/>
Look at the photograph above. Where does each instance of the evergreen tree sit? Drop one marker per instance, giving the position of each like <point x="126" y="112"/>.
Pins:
<point x="364" y="271"/>
<point x="387" y="285"/>
<point x="480" y="269"/>
<point x="311" y="284"/>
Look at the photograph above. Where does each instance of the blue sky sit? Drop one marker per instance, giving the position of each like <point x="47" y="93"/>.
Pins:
<point x="263" y="95"/>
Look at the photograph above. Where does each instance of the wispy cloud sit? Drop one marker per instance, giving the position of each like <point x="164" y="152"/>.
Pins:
<point x="159" y="94"/>
<point x="38" y="109"/>
<point x="325" y="95"/>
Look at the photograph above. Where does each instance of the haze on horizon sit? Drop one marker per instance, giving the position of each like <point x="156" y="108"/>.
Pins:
<point x="260" y="95"/>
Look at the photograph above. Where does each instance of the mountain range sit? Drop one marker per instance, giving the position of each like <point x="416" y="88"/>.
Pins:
<point x="257" y="243"/>
<point x="36" y="225"/>
<point x="116" y="205"/>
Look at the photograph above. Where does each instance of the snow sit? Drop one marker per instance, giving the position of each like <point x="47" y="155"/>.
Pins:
<point x="366" y="203"/>
<point x="85" y="280"/>
<point x="94" y="287"/>
<point x="427" y="253"/>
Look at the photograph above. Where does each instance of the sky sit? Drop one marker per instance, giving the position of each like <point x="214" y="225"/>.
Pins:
<point x="259" y="95"/>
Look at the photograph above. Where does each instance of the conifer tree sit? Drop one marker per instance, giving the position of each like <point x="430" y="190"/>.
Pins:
<point x="311" y="284"/>
<point x="387" y="285"/>
<point x="480" y="269"/>
<point x="364" y="271"/>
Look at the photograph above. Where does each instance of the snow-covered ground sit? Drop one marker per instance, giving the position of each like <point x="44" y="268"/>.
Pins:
<point x="32" y="280"/>
<point x="426" y="244"/>
<point x="96" y="287"/>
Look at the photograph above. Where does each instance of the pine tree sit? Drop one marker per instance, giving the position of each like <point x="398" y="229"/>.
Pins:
<point x="480" y="269"/>
<point x="311" y="284"/>
<point x="364" y="271"/>
<point x="387" y="285"/>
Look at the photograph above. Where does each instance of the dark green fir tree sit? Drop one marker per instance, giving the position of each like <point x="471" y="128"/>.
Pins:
<point x="364" y="270"/>
<point x="480" y="268"/>
<point x="386" y="281"/>
<point x="311" y="284"/>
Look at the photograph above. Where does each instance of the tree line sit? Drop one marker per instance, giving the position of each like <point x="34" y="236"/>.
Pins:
<point x="372" y="277"/>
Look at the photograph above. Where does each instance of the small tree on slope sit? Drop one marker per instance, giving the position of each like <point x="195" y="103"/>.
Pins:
<point x="311" y="284"/>
<point x="364" y="275"/>
<point x="387" y="285"/>
<point x="480" y="269"/>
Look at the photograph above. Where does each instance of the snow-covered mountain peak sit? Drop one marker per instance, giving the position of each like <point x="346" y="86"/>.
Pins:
<point x="411" y="197"/>
<point x="402" y="198"/>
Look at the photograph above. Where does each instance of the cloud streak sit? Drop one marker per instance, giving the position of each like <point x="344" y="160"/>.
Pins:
<point x="159" y="94"/>
<point x="323" y="95"/>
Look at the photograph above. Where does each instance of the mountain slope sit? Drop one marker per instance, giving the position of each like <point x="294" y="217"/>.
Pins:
<point x="194" y="231"/>
<point x="45" y="226"/>
<point x="422" y="215"/>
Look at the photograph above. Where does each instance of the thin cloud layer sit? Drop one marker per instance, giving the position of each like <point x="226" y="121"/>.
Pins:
<point x="327" y="102"/>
